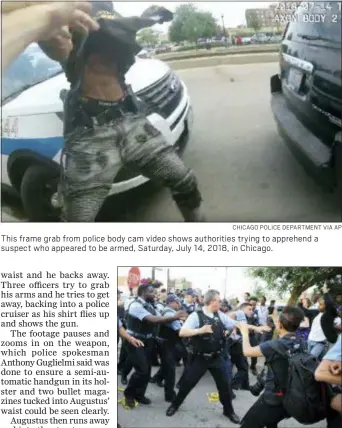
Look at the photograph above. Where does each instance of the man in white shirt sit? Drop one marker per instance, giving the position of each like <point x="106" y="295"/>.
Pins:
<point x="262" y="311"/>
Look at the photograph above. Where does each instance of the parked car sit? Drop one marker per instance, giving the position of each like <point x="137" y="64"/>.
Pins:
<point x="163" y="49"/>
<point x="260" y="38"/>
<point x="145" y="53"/>
<point x="32" y="125"/>
<point x="275" y="39"/>
<point x="307" y="96"/>
<point x="246" y="40"/>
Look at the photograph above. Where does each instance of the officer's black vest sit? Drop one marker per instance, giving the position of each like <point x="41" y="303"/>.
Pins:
<point x="212" y="342"/>
<point x="166" y="332"/>
<point x="138" y="327"/>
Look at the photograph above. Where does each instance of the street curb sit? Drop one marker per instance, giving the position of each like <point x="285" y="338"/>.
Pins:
<point x="224" y="60"/>
<point x="215" y="52"/>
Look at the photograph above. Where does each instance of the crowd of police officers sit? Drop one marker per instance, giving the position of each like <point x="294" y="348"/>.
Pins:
<point x="195" y="330"/>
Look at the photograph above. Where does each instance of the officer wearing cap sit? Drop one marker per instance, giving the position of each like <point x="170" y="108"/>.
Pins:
<point x="141" y="321"/>
<point x="189" y="302"/>
<point x="207" y="329"/>
<point x="169" y="336"/>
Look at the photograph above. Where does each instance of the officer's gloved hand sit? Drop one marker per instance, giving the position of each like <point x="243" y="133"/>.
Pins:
<point x="158" y="14"/>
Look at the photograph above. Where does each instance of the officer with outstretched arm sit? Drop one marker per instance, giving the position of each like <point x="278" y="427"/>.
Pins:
<point x="208" y="329"/>
<point x="141" y="321"/>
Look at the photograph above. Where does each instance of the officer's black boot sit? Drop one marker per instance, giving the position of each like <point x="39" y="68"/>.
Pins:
<point x="233" y="417"/>
<point x="124" y="379"/>
<point x="171" y="410"/>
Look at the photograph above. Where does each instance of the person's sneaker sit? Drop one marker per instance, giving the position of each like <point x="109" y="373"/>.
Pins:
<point x="254" y="371"/>
<point x="171" y="410"/>
<point x="129" y="401"/>
<point x="143" y="400"/>
<point x="233" y="417"/>
<point x="124" y="380"/>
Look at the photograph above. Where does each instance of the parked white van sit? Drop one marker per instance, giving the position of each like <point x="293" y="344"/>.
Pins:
<point x="32" y="125"/>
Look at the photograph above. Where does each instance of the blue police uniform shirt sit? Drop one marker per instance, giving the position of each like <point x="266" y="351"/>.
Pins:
<point x="335" y="352"/>
<point x="119" y="323"/>
<point x="193" y="321"/>
<point x="160" y="307"/>
<point x="240" y="316"/>
<point x="137" y="310"/>
<point x="175" y="325"/>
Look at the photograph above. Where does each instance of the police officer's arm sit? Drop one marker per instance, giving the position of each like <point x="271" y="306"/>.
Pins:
<point x="132" y="340"/>
<point x="191" y="327"/>
<point x="59" y="47"/>
<point x="323" y="373"/>
<point x="248" y="350"/>
<point x="156" y="319"/>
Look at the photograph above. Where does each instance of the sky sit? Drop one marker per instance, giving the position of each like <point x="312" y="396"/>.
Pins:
<point x="237" y="282"/>
<point x="233" y="12"/>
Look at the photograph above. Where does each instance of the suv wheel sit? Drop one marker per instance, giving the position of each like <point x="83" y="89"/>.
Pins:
<point x="38" y="187"/>
<point x="338" y="168"/>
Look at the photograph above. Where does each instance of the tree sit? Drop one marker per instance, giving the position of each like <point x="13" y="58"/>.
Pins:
<point x="253" y="21"/>
<point x="296" y="280"/>
<point x="258" y="291"/>
<point x="191" y="24"/>
<point x="147" y="36"/>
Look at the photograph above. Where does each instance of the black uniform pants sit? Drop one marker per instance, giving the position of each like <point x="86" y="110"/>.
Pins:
<point x="241" y="378"/>
<point x="195" y="370"/>
<point x="140" y="358"/>
<point x="168" y="368"/>
<point x="180" y="353"/>
<point x="254" y="341"/>
<point x="262" y="415"/>
<point x="123" y="354"/>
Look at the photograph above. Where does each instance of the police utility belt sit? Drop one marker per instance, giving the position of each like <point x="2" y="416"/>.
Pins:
<point x="208" y="355"/>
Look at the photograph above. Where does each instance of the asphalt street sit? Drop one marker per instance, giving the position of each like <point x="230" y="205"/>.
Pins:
<point x="197" y="411"/>
<point x="245" y="171"/>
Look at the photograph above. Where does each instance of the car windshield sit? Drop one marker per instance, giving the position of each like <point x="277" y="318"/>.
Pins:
<point x="29" y="69"/>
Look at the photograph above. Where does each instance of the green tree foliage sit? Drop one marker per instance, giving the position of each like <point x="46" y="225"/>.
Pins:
<point x="190" y="24"/>
<point x="254" y="21"/>
<point x="295" y="280"/>
<point x="147" y="36"/>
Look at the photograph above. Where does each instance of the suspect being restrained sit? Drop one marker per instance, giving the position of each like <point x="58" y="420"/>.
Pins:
<point x="106" y="125"/>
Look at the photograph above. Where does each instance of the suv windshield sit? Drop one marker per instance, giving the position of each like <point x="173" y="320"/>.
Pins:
<point x="327" y="31"/>
<point x="29" y="69"/>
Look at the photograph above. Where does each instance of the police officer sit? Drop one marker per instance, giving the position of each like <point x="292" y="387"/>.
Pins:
<point x="128" y="338"/>
<point x="123" y="352"/>
<point x="189" y="302"/>
<point x="241" y="378"/>
<point x="207" y="328"/>
<point x="141" y="321"/>
<point x="189" y="306"/>
<point x="254" y="337"/>
<point x="159" y="305"/>
<point x="169" y="336"/>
